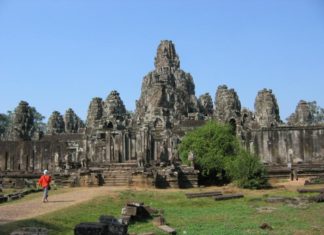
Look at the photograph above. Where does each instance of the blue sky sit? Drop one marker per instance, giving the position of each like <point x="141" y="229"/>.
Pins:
<point x="60" y="54"/>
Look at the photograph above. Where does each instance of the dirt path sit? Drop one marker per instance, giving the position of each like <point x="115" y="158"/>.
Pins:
<point x="34" y="207"/>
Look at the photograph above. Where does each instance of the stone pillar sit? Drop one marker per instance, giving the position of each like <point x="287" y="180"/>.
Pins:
<point x="138" y="143"/>
<point x="107" y="153"/>
<point x="20" y="160"/>
<point x="129" y="147"/>
<point x="123" y="144"/>
<point x="156" y="150"/>
<point x="108" y="147"/>
<point x="133" y="144"/>
<point x="146" y="146"/>
<point x="112" y="149"/>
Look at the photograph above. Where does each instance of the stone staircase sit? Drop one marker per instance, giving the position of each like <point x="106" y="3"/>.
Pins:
<point x="304" y="170"/>
<point x="119" y="174"/>
<point x="62" y="180"/>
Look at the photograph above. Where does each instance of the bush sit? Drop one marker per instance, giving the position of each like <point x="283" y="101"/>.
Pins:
<point x="217" y="151"/>
<point x="247" y="171"/>
<point x="212" y="144"/>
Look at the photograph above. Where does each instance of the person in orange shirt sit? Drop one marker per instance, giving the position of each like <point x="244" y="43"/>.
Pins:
<point x="44" y="182"/>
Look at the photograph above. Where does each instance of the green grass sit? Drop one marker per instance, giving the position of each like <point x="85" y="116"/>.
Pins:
<point x="190" y="216"/>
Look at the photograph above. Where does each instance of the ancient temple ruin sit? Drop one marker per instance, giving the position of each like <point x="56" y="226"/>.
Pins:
<point x="114" y="142"/>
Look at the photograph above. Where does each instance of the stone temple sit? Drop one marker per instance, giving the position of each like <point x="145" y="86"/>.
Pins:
<point x="115" y="147"/>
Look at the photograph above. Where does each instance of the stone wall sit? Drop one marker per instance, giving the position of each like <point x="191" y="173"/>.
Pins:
<point x="34" y="156"/>
<point x="288" y="144"/>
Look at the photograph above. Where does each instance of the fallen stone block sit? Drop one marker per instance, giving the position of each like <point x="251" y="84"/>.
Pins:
<point x="167" y="229"/>
<point x="320" y="190"/>
<point x="137" y="204"/>
<point x="228" y="197"/>
<point x="158" y="221"/>
<point x="129" y="211"/>
<point x="205" y="194"/>
<point x="114" y="226"/>
<point x="126" y="219"/>
<point x="92" y="228"/>
<point x="136" y="211"/>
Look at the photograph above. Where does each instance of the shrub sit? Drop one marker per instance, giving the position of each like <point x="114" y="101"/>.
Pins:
<point x="217" y="151"/>
<point x="247" y="171"/>
<point x="211" y="144"/>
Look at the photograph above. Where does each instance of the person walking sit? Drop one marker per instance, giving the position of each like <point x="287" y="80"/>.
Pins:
<point x="44" y="182"/>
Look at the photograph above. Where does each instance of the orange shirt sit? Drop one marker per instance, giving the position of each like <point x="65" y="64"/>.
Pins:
<point x="44" y="180"/>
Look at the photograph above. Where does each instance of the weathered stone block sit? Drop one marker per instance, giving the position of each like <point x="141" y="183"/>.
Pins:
<point x="91" y="229"/>
<point x="228" y="197"/>
<point x="114" y="226"/>
<point x="129" y="211"/>
<point x="167" y="229"/>
<point x="158" y="221"/>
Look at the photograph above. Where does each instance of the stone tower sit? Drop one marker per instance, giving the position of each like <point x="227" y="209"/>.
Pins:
<point x="302" y="115"/>
<point x="113" y="106"/>
<point x="55" y="123"/>
<point x="166" y="56"/>
<point x="168" y="93"/>
<point x="73" y="123"/>
<point x="95" y="112"/>
<point x="266" y="109"/>
<point x="23" y="122"/>
<point x="227" y="105"/>
<point x="206" y="104"/>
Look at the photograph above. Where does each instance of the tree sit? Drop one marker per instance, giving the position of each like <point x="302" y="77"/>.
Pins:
<point x="4" y="123"/>
<point x="218" y="152"/>
<point x="212" y="144"/>
<point x="39" y="125"/>
<point x="317" y="112"/>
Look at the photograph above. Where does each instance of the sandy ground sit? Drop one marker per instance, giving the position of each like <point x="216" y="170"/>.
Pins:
<point x="34" y="207"/>
<point x="288" y="183"/>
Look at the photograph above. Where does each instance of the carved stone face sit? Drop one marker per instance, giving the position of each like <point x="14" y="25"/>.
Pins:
<point x="167" y="91"/>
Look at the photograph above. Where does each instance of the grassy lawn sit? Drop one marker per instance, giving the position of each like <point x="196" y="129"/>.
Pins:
<point x="192" y="216"/>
